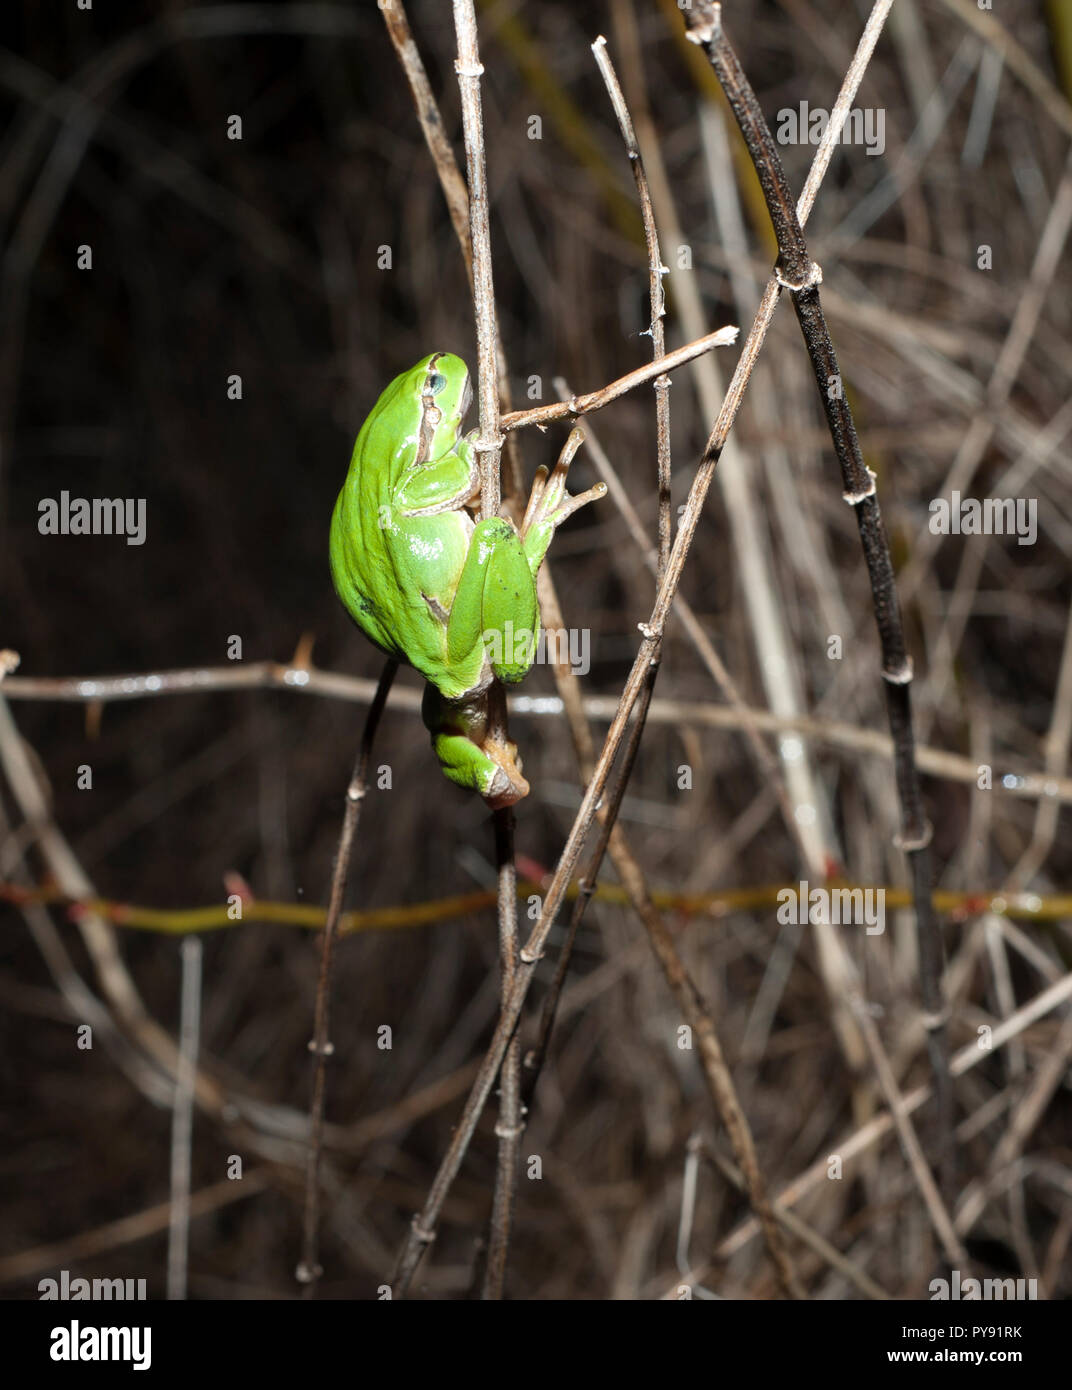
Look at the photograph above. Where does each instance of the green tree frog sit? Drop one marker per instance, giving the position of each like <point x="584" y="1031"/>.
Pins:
<point x="453" y="597"/>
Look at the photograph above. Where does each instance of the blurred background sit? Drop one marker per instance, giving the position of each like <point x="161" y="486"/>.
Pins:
<point x="314" y="259"/>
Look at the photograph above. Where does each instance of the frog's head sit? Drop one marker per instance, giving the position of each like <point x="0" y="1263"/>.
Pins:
<point x="441" y="384"/>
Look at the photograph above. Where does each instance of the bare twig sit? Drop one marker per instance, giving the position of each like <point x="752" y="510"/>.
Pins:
<point x="488" y="443"/>
<point x="179" y="921"/>
<point x="806" y="1234"/>
<point x="510" y="1125"/>
<point x="454" y="192"/>
<point x="182" y="1121"/>
<point x="657" y="300"/>
<point x="716" y="1072"/>
<point x="991" y="30"/>
<point x="596" y="400"/>
<point x="309" y="1270"/>
<point x="860" y="1140"/>
<point x="488" y="446"/>
<point x="802" y="278"/>
<point x="1009" y="779"/>
<point x="140" y="1225"/>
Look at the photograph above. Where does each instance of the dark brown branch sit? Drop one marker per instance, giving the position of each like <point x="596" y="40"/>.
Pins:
<point x="798" y="274"/>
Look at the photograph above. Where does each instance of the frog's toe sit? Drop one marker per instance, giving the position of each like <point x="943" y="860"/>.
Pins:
<point x="491" y="768"/>
<point x="505" y="790"/>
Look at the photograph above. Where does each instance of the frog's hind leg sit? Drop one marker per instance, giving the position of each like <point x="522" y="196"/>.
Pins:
<point x="494" y="612"/>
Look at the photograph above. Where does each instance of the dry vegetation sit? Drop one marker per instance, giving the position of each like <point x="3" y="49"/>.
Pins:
<point x="264" y="257"/>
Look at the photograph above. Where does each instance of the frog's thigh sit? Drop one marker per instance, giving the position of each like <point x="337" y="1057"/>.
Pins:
<point x="495" y="602"/>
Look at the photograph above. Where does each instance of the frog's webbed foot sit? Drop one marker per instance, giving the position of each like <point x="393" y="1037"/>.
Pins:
<point x="506" y="786"/>
<point x="549" y="502"/>
<point x="468" y="753"/>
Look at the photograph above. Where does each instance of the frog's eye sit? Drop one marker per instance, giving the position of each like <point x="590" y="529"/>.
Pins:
<point x="436" y="382"/>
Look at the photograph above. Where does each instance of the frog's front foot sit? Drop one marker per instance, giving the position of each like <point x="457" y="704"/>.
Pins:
<point x="549" y="502"/>
<point x="469" y="754"/>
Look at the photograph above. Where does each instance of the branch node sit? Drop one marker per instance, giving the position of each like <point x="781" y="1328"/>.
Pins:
<point x="420" y="1233"/>
<point x="328" y="1050"/>
<point x="530" y="957"/>
<point x="705" y="23"/>
<point x="938" y="1019"/>
<point x="855" y="498"/>
<point x="468" y="69"/>
<point x="903" y="674"/>
<point x="509" y="1131"/>
<point x="813" y="278"/>
<point x="921" y="841"/>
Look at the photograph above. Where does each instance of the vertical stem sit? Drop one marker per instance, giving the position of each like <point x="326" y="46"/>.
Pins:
<point x="509" y="1127"/>
<point x="454" y="191"/>
<point x="309" y="1271"/>
<point x="469" y="70"/>
<point x="182" y="1118"/>
<point x="656" y="297"/>
<point x="488" y="449"/>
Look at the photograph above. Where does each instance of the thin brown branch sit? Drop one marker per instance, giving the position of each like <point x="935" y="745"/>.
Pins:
<point x="1013" y="779"/>
<point x="860" y="1140"/>
<point x="488" y="446"/>
<point x="309" y="1270"/>
<point x="596" y="400"/>
<point x="716" y="1072"/>
<point x="454" y="191"/>
<point x="657" y="300"/>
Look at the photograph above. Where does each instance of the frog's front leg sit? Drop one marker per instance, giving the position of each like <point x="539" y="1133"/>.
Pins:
<point x="467" y="753"/>
<point x="442" y="484"/>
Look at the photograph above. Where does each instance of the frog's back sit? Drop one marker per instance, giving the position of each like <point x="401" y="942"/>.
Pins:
<point x="372" y="547"/>
<point x="358" y="547"/>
